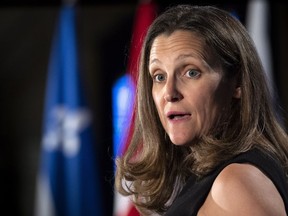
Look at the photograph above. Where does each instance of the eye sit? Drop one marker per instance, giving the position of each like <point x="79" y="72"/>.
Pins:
<point x="193" y="73"/>
<point x="159" y="77"/>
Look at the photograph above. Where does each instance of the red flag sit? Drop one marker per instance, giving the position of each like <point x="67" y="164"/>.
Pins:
<point x="145" y="15"/>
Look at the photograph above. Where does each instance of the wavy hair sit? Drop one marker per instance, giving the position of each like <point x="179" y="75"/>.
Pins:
<point x="153" y="170"/>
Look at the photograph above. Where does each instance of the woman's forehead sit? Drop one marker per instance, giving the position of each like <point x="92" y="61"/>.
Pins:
<point x="183" y="42"/>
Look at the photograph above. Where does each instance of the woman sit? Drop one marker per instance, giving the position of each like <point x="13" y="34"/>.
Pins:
<point x="206" y="140"/>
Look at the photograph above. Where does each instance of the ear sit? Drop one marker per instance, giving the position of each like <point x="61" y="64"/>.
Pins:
<point x="237" y="93"/>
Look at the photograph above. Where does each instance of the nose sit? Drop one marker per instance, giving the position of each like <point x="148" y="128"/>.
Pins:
<point x="172" y="93"/>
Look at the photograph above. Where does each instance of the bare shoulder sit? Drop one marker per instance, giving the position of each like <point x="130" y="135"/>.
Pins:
<point x="242" y="189"/>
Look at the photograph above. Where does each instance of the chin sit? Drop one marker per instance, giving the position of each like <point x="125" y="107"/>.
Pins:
<point x="179" y="141"/>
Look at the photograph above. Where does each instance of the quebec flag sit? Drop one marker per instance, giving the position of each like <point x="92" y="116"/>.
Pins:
<point x="67" y="182"/>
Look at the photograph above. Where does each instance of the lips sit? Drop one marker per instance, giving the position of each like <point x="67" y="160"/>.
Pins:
<point x="177" y="115"/>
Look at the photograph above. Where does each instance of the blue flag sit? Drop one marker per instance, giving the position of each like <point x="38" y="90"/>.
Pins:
<point x="68" y="184"/>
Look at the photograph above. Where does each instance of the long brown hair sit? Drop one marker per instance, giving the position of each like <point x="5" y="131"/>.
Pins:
<point x="154" y="168"/>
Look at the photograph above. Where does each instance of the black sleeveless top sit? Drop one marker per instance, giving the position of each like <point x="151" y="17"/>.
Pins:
<point x="194" y="193"/>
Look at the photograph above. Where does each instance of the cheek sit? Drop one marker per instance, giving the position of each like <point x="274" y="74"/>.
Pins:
<point x="202" y="100"/>
<point x="223" y="94"/>
<point x="217" y="102"/>
<point x="156" y="98"/>
<point x="156" y="101"/>
<point x="206" y="104"/>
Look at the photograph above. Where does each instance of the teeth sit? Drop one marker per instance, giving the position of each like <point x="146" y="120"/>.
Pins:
<point x="176" y="116"/>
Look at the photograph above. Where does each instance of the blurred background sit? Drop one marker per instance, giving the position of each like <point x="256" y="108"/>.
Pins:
<point x="103" y="31"/>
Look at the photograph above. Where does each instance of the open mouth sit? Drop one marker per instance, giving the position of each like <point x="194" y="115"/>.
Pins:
<point x="178" y="116"/>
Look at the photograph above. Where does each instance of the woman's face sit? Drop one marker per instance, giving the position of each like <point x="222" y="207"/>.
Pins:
<point x="189" y="93"/>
